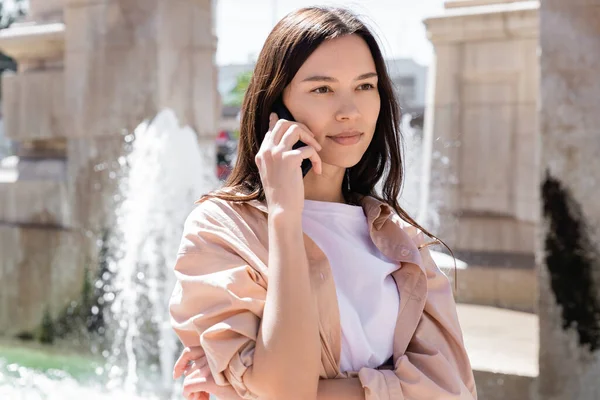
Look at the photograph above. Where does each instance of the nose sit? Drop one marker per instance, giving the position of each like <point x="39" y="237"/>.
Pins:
<point x="347" y="111"/>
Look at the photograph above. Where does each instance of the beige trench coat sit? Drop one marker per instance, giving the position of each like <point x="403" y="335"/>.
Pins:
<point x="222" y="281"/>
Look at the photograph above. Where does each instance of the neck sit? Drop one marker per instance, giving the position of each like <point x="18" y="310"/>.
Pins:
<point x="325" y="187"/>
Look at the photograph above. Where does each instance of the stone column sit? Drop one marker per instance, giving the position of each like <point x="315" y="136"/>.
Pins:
<point x="481" y="152"/>
<point x="40" y="259"/>
<point x="569" y="237"/>
<point x="45" y="10"/>
<point x="126" y="60"/>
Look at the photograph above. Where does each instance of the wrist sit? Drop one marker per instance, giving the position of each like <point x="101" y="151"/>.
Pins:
<point x="337" y="389"/>
<point x="281" y="218"/>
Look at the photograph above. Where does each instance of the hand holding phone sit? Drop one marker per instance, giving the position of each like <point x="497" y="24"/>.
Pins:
<point x="278" y="164"/>
<point x="283" y="113"/>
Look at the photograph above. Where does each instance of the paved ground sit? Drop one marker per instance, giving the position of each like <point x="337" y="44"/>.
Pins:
<point x="499" y="340"/>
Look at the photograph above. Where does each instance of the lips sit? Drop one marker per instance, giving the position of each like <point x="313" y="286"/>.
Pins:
<point x="346" y="138"/>
<point x="347" y="134"/>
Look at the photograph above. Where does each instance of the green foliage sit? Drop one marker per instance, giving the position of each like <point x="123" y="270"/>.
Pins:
<point x="75" y="362"/>
<point x="236" y="96"/>
<point x="80" y="318"/>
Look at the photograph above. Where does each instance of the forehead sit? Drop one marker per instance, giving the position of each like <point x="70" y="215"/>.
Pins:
<point x="348" y="55"/>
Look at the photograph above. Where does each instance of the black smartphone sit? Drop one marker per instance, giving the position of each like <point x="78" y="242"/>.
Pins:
<point x="283" y="113"/>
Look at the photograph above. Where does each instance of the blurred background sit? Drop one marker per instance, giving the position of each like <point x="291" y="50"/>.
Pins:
<point x="118" y="114"/>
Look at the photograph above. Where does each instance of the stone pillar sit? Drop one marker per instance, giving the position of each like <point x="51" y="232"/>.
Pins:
<point x="126" y="60"/>
<point x="569" y="239"/>
<point x="480" y="131"/>
<point x="89" y="72"/>
<point x="40" y="258"/>
<point x="45" y="10"/>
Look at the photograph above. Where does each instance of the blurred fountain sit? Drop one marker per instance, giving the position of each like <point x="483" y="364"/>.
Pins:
<point x="412" y="191"/>
<point x="164" y="172"/>
<point x="167" y="172"/>
<point x="412" y="144"/>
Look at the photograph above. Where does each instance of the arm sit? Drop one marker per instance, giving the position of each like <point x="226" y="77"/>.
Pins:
<point x="199" y="379"/>
<point x="340" y="389"/>
<point x="288" y="341"/>
<point x="220" y="300"/>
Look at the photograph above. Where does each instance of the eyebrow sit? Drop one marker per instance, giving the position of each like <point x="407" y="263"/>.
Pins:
<point x="321" y="78"/>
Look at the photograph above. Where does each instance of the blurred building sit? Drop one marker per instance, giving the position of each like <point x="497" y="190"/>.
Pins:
<point x="410" y="81"/>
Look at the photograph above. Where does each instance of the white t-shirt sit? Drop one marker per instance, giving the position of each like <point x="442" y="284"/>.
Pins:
<point x="367" y="294"/>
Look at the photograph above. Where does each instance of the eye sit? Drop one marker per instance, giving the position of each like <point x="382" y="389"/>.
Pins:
<point x="322" y="90"/>
<point x="366" y="86"/>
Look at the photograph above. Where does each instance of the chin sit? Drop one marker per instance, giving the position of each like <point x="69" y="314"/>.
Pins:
<point x="344" y="163"/>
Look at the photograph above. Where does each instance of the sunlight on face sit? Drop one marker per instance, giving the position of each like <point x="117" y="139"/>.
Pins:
<point x="335" y="94"/>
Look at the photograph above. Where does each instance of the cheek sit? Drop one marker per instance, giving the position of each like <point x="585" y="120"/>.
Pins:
<point x="376" y="106"/>
<point x="370" y="110"/>
<point x="317" y="121"/>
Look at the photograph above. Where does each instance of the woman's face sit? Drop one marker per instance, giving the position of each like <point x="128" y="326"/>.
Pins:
<point x="335" y="94"/>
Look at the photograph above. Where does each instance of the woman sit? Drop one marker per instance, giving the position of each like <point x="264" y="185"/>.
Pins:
<point x="315" y="287"/>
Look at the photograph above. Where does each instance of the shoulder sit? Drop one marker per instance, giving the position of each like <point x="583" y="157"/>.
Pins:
<point x="217" y="210"/>
<point x="234" y="219"/>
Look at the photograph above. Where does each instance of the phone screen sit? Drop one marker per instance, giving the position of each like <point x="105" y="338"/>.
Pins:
<point x="283" y="113"/>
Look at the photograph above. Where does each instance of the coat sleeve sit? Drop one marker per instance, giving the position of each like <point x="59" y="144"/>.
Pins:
<point x="435" y="365"/>
<point x="218" y="298"/>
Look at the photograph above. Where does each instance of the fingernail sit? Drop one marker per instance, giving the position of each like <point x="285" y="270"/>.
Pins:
<point x="272" y="116"/>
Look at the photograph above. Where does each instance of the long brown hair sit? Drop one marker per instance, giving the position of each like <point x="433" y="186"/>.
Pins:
<point x="288" y="46"/>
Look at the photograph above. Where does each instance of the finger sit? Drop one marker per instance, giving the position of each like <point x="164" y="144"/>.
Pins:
<point x="198" y="381"/>
<point x="282" y="126"/>
<point x="188" y="354"/>
<point x="189" y="369"/>
<point x="199" y="396"/>
<point x="296" y="133"/>
<point x="307" y="152"/>
<point x="196" y="384"/>
<point x="196" y="364"/>
<point x="272" y="128"/>
<point x="193" y="396"/>
<point x="183" y="363"/>
<point x="272" y="121"/>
